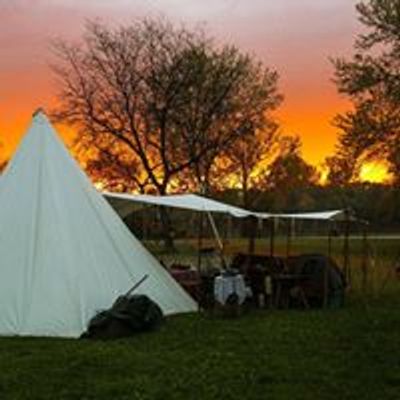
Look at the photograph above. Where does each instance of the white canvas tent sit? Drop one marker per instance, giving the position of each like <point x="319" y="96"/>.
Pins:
<point x="65" y="253"/>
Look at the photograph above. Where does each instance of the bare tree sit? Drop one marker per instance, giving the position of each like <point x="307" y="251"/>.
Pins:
<point x="168" y="97"/>
<point x="248" y="160"/>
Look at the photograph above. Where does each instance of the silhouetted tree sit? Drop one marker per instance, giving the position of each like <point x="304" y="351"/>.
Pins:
<point x="289" y="174"/>
<point x="341" y="168"/>
<point x="166" y="96"/>
<point x="115" y="171"/>
<point x="371" y="78"/>
<point x="248" y="161"/>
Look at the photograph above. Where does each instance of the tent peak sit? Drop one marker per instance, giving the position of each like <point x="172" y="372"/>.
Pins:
<point x="39" y="113"/>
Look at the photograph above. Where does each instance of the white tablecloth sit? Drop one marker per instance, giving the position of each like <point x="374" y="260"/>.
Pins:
<point x="227" y="285"/>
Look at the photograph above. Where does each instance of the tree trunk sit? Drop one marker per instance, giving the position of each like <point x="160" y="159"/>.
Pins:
<point x="168" y="231"/>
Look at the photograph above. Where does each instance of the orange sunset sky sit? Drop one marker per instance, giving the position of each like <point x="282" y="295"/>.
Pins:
<point x="296" y="37"/>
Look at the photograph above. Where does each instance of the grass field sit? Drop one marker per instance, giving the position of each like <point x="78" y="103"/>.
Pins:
<point x="351" y="353"/>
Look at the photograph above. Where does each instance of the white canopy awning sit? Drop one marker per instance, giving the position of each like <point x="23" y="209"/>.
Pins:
<point x="333" y="215"/>
<point x="125" y="203"/>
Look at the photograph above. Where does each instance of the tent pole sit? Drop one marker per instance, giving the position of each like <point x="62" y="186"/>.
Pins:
<point x="215" y="231"/>
<point x="252" y="226"/>
<point x="225" y="232"/>
<point x="217" y="239"/>
<point x="330" y="240"/>
<point x="199" y="241"/>
<point x="260" y="229"/>
<point x="346" y="267"/>
<point x="364" y="262"/>
<point x="288" y="238"/>
<point x="326" y="283"/>
<point x="229" y="233"/>
<point x="272" y="237"/>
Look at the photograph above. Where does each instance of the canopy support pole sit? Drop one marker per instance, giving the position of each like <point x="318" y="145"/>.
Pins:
<point x="330" y="240"/>
<point x="289" y="238"/>
<point x="346" y="266"/>
<point x="199" y="241"/>
<point x="217" y="238"/>
<point x="252" y="226"/>
<point x="326" y="281"/>
<point x="272" y="237"/>
<point x="227" y="231"/>
<point x="364" y="260"/>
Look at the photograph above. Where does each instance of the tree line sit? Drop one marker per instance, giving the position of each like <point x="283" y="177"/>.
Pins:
<point x="375" y="203"/>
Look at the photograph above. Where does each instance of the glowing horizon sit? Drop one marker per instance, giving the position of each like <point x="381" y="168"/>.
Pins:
<point x="294" y="37"/>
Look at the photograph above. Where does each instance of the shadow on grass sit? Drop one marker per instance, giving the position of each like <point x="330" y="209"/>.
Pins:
<point x="351" y="353"/>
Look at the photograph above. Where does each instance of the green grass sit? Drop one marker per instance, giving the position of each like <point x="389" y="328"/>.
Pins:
<point x="351" y="353"/>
